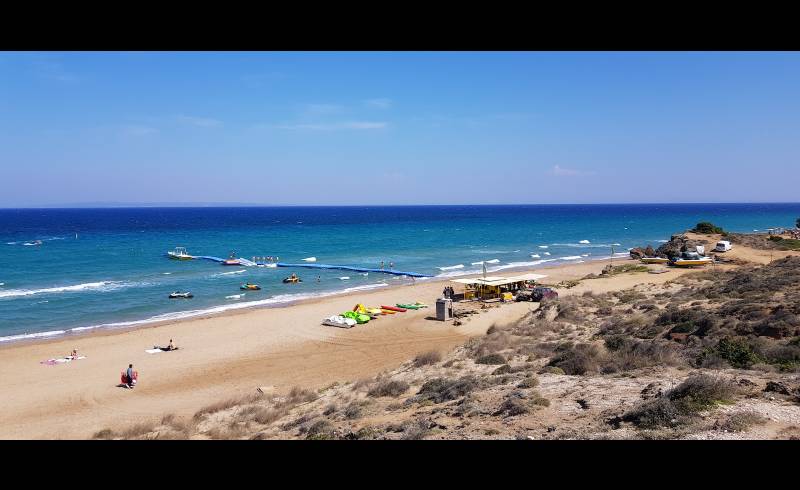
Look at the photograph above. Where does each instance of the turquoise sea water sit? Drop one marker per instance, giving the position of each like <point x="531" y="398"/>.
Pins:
<point x="115" y="273"/>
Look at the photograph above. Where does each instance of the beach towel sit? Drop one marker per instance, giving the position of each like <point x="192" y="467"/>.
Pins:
<point x="153" y="351"/>
<point x="62" y="360"/>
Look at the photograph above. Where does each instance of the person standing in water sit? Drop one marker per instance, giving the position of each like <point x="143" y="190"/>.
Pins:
<point x="318" y="278"/>
<point x="391" y="265"/>
<point x="381" y="265"/>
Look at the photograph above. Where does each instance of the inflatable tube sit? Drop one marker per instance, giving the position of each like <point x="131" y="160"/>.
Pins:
<point x="387" y="312"/>
<point x="408" y="306"/>
<point x="393" y="308"/>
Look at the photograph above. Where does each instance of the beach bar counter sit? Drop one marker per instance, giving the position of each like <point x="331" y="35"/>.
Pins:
<point x="495" y="287"/>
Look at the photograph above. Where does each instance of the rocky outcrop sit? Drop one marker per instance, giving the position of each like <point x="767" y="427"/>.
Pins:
<point x="676" y="245"/>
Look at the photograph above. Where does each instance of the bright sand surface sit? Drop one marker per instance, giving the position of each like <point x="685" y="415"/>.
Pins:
<point x="233" y="353"/>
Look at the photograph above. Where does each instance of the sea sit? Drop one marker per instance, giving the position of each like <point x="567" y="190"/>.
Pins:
<point x="108" y="268"/>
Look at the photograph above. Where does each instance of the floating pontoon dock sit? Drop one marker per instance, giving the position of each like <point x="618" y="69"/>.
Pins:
<point x="354" y="269"/>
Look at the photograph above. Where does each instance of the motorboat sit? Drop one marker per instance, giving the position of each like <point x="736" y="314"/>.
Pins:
<point x="179" y="294"/>
<point x="654" y="260"/>
<point x="250" y="287"/>
<point x="691" y="259"/>
<point x="179" y="254"/>
<point x="232" y="260"/>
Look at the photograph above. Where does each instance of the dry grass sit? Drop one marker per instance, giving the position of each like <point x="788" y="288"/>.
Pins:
<point x="427" y="358"/>
<point x="391" y="388"/>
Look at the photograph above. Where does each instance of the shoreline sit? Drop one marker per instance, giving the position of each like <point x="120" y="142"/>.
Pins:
<point x="227" y="355"/>
<point x="232" y="309"/>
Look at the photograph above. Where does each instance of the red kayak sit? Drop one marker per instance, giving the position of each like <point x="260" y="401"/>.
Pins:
<point x="393" y="308"/>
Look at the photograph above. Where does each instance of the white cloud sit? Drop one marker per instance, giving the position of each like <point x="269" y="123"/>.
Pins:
<point x="335" y="126"/>
<point x="568" y="172"/>
<point x="203" y="122"/>
<point x="380" y="103"/>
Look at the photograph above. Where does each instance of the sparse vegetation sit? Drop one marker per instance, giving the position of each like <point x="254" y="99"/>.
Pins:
<point x="706" y="228"/>
<point x="388" y="388"/>
<point x="427" y="358"/>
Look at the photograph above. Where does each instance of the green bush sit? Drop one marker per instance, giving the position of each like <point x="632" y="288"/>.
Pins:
<point x="737" y="352"/>
<point x="706" y="228"/>
<point x="491" y="359"/>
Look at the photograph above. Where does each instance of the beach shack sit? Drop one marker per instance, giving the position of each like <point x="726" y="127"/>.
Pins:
<point x="496" y="287"/>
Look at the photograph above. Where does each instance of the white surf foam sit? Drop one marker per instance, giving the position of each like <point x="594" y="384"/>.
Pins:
<point x="476" y="263"/>
<point x="11" y="338"/>
<point x="543" y="246"/>
<point x="344" y="278"/>
<point x="572" y="257"/>
<point x="235" y="296"/>
<point x="310" y="259"/>
<point x="494" y="261"/>
<point x="449" y="268"/>
<point x="535" y="256"/>
<point x="547" y="253"/>
<point x="276" y="300"/>
<point x="231" y="272"/>
<point x="89" y="286"/>
<point x="584" y="241"/>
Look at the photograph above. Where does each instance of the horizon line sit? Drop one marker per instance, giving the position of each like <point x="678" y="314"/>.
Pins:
<point x="258" y="205"/>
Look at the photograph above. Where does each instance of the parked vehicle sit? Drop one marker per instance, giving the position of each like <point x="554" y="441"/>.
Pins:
<point x="723" y="246"/>
<point x="536" y="294"/>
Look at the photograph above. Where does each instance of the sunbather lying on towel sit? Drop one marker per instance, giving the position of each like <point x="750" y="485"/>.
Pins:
<point x="168" y="348"/>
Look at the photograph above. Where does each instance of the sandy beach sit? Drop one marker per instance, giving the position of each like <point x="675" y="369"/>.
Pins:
<point x="236" y="352"/>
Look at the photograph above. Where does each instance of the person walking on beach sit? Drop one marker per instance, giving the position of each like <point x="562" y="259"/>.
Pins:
<point x="129" y="376"/>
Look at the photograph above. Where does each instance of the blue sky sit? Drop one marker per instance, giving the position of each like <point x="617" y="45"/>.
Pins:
<point x="398" y="128"/>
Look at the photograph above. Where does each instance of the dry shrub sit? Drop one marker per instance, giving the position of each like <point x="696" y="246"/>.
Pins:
<point x="440" y="390"/>
<point x="512" y="406"/>
<point x="226" y="404"/>
<point x="138" y="430"/>
<point x="741" y="421"/>
<point x="320" y="430"/>
<point x="414" y="430"/>
<point x="680" y="405"/>
<point x="104" y="434"/>
<point x="577" y="360"/>
<point x="491" y="359"/>
<point x="426" y="358"/>
<point x="300" y="395"/>
<point x="388" y="388"/>
<point x="529" y="382"/>
<point x="229" y="431"/>
<point x="266" y="416"/>
<point x="353" y="411"/>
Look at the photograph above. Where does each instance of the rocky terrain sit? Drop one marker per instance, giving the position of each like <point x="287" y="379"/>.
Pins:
<point x="711" y="355"/>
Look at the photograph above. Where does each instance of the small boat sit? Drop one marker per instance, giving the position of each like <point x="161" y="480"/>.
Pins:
<point x="250" y="287"/>
<point x="358" y="317"/>
<point x="231" y="260"/>
<point x="654" y="260"/>
<point x="339" y="321"/>
<point x="408" y="306"/>
<point x="291" y="279"/>
<point x="179" y="254"/>
<point x="691" y="259"/>
<point x="179" y="294"/>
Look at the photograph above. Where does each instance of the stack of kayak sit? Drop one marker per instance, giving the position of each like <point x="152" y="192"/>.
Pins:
<point x="362" y="314"/>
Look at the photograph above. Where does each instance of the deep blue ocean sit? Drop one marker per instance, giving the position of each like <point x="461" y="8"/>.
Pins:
<point x="108" y="267"/>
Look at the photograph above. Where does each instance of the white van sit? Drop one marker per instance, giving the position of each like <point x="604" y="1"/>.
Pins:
<point x="723" y="246"/>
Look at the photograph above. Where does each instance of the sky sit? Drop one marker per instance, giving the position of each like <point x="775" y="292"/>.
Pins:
<point x="368" y="128"/>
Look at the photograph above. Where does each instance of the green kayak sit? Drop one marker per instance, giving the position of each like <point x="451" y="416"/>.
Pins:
<point x="358" y="317"/>
<point x="408" y="307"/>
